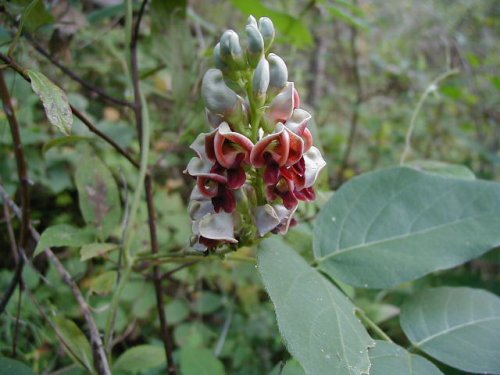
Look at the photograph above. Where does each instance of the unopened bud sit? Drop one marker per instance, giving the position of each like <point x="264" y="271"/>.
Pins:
<point x="255" y="48"/>
<point x="230" y="49"/>
<point x="219" y="99"/>
<point x="266" y="28"/>
<point x="278" y="73"/>
<point x="261" y="81"/>
<point x="252" y="21"/>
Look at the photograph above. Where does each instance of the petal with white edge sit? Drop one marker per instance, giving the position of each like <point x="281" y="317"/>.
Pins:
<point x="298" y="121"/>
<point x="266" y="219"/>
<point x="218" y="226"/>
<point x="314" y="163"/>
<point x="282" y="105"/>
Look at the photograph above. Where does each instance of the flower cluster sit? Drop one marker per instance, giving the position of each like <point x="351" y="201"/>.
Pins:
<point x="259" y="161"/>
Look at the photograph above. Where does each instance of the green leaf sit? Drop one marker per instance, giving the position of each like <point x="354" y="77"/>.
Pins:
<point x="10" y="366"/>
<point x="443" y="169"/>
<point x="348" y="18"/>
<point x="141" y="358"/>
<point x="64" y="141"/>
<point x="391" y="359"/>
<point x="63" y="235"/>
<point x="200" y="361"/>
<point x="398" y="224"/>
<point x="162" y="10"/>
<point x="93" y="250"/>
<point x="54" y="100"/>
<point x="74" y="342"/>
<point x="98" y="195"/>
<point x="207" y="303"/>
<point x="292" y="367"/>
<point x="316" y="320"/>
<point x="33" y="13"/>
<point x="176" y="311"/>
<point x="104" y="283"/>
<point x="288" y="26"/>
<point x="457" y="326"/>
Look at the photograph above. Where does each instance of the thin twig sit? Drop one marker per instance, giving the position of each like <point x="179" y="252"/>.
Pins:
<point x="22" y="174"/>
<point x="15" y="256"/>
<point x="157" y="277"/>
<point x="430" y="88"/>
<point x="356" y="106"/>
<point x="100" y="359"/>
<point x="38" y="47"/>
<point x="19" y="69"/>
<point x="75" y="77"/>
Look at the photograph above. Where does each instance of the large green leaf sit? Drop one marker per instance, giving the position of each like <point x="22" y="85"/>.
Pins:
<point x="458" y="326"/>
<point x="141" y="358"/>
<point x="63" y="235"/>
<point x="391" y="359"/>
<point x="10" y="366"/>
<point x="398" y="224"/>
<point x="444" y="169"/>
<point x="98" y="195"/>
<point x="74" y="341"/>
<point x="54" y="100"/>
<point x="200" y="361"/>
<point x="316" y="320"/>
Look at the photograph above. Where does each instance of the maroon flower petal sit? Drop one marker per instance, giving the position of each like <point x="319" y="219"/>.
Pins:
<point x="277" y="144"/>
<point x="289" y="200"/>
<point x="236" y="177"/>
<point x="224" y="200"/>
<point x="207" y="186"/>
<point x="296" y="148"/>
<point x="271" y="173"/>
<point x="308" y="139"/>
<point x="228" y="145"/>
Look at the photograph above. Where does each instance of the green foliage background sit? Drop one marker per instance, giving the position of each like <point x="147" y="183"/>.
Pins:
<point x="360" y="69"/>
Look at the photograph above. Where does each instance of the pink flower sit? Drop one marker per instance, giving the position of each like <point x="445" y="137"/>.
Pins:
<point x="218" y="167"/>
<point x="250" y="187"/>
<point x="276" y="150"/>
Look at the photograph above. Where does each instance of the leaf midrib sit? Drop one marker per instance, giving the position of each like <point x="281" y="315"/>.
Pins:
<point x="399" y="237"/>
<point x="454" y="328"/>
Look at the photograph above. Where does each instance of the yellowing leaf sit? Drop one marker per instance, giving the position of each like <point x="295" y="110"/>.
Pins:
<point x="54" y="100"/>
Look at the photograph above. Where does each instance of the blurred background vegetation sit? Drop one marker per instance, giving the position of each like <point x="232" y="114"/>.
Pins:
<point x="360" y="67"/>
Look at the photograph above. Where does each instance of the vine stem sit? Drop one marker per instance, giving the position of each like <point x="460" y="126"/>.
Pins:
<point x="430" y="88"/>
<point x="142" y="124"/>
<point x="372" y="325"/>
<point x="22" y="174"/>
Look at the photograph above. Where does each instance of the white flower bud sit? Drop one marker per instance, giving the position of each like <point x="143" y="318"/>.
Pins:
<point x="261" y="81"/>
<point x="219" y="99"/>
<point x="266" y="28"/>
<point x="252" y="21"/>
<point x="230" y="49"/>
<point x="255" y="48"/>
<point x="278" y="72"/>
